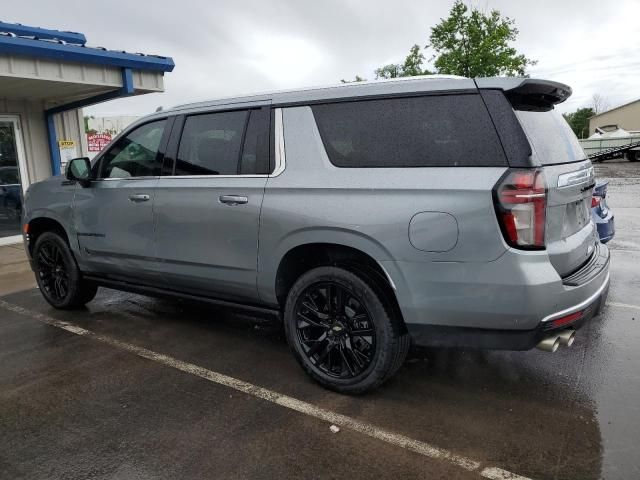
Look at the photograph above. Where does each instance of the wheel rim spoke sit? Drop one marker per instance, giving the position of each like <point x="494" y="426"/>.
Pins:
<point x="362" y="332"/>
<point x="349" y="350"/>
<point x="318" y="343"/>
<point x="347" y="362"/>
<point x="325" y="353"/>
<point x="304" y="321"/>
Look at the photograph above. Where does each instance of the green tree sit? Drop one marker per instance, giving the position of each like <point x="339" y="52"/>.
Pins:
<point x="469" y="43"/>
<point x="579" y="121"/>
<point x="411" y="67"/>
<point x="86" y="123"/>
<point x="474" y="44"/>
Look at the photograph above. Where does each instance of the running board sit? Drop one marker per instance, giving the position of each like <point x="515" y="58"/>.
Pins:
<point x="162" y="292"/>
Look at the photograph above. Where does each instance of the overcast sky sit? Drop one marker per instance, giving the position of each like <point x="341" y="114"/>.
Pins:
<point x="224" y="48"/>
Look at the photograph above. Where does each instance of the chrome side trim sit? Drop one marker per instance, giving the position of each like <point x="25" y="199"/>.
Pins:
<point x="578" y="177"/>
<point x="280" y="160"/>
<point x="177" y="177"/>
<point x="125" y="178"/>
<point x="581" y="305"/>
<point x="280" y="155"/>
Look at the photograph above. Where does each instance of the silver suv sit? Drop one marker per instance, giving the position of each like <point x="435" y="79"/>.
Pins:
<point x="443" y="211"/>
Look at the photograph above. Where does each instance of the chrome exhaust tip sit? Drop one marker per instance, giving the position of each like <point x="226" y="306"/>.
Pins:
<point x="549" y="344"/>
<point x="567" y="337"/>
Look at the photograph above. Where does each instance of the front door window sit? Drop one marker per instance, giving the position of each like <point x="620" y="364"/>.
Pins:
<point x="136" y="154"/>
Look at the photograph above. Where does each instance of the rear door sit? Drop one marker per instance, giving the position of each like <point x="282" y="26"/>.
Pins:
<point x="570" y="235"/>
<point x="207" y="210"/>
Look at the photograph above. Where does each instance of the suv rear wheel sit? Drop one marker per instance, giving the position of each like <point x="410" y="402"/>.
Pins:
<point x="57" y="273"/>
<point x="341" y="332"/>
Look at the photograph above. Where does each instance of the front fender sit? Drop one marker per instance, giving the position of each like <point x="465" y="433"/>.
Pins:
<point x="52" y="199"/>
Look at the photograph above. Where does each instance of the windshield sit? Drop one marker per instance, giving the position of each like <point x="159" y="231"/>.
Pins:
<point x="550" y="137"/>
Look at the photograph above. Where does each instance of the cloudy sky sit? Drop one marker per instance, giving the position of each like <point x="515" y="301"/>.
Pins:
<point x="224" y="48"/>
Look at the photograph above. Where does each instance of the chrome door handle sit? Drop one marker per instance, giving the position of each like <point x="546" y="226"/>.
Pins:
<point x="139" y="197"/>
<point x="233" y="199"/>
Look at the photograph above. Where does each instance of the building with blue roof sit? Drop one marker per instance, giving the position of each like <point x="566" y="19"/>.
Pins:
<point x="46" y="78"/>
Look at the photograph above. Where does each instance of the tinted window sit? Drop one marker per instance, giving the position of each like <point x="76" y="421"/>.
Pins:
<point x="551" y="137"/>
<point x="210" y="144"/>
<point x="255" y="152"/>
<point x="136" y="154"/>
<point x="448" y="130"/>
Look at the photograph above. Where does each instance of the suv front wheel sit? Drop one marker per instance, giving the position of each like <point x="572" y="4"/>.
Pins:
<point x="341" y="332"/>
<point x="57" y="273"/>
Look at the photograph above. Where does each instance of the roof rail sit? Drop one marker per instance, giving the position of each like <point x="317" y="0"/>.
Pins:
<point x="435" y="76"/>
<point x="324" y="87"/>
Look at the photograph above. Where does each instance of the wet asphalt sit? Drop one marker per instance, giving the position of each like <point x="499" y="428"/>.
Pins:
<point x="72" y="407"/>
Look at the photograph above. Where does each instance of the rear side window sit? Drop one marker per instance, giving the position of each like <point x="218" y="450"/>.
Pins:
<point x="429" y="131"/>
<point x="211" y="143"/>
<point x="255" y="152"/>
<point x="550" y="137"/>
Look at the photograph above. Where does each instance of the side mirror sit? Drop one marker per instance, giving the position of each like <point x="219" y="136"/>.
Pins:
<point x="79" y="170"/>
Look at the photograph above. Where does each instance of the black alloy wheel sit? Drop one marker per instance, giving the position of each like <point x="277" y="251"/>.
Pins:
<point x="335" y="329"/>
<point x="342" y="330"/>
<point x="53" y="271"/>
<point x="57" y="273"/>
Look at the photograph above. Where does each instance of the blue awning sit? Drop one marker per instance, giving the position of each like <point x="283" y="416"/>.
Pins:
<point x="16" y="39"/>
<point x="41" y="43"/>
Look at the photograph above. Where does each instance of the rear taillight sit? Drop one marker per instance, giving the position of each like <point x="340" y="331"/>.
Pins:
<point x="595" y="201"/>
<point x="521" y="201"/>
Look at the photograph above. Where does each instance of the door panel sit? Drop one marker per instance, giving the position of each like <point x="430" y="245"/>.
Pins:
<point x="208" y="246"/>
<point x="115" y="230"/>
<point x="113" y="217"/>
<point x="207" y="214"/>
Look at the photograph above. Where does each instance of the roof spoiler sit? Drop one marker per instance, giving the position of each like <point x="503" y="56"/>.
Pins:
<point x="529" y="93"/>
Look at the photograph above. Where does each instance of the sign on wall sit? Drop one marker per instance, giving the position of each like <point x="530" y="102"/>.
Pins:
<point x="68" y="151"/>
<point x="97" y="141"/>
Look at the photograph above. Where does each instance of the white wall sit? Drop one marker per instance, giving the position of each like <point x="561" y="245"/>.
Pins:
<point x="34" y="135"/>
<point x="69" y="126"/>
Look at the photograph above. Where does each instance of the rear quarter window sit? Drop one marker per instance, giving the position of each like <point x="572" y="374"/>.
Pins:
<point x="551" y="137"/>
<point x="429" y="131"/>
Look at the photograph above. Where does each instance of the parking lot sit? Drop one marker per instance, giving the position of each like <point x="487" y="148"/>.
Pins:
<point x="135" y="387"/>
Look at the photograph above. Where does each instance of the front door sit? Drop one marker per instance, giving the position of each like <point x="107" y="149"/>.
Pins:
<point x="13" y="179"/>
<point x="114" y="215"/>
<point x="208" y="212"/>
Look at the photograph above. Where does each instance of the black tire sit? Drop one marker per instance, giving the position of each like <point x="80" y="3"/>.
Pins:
<point x="59" y="279"/>
<point x="633" y="155"/>
<point x="358" y="328"/>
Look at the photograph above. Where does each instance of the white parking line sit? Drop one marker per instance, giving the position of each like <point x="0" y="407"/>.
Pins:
<point x="286" y="401"/>
<point x="623" y="305"/>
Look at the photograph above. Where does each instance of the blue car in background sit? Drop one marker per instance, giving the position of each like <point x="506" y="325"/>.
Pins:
<point x="601" y="213"/>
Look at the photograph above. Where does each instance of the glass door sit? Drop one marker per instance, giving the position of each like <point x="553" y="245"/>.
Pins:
<point x="13" y="179"/>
